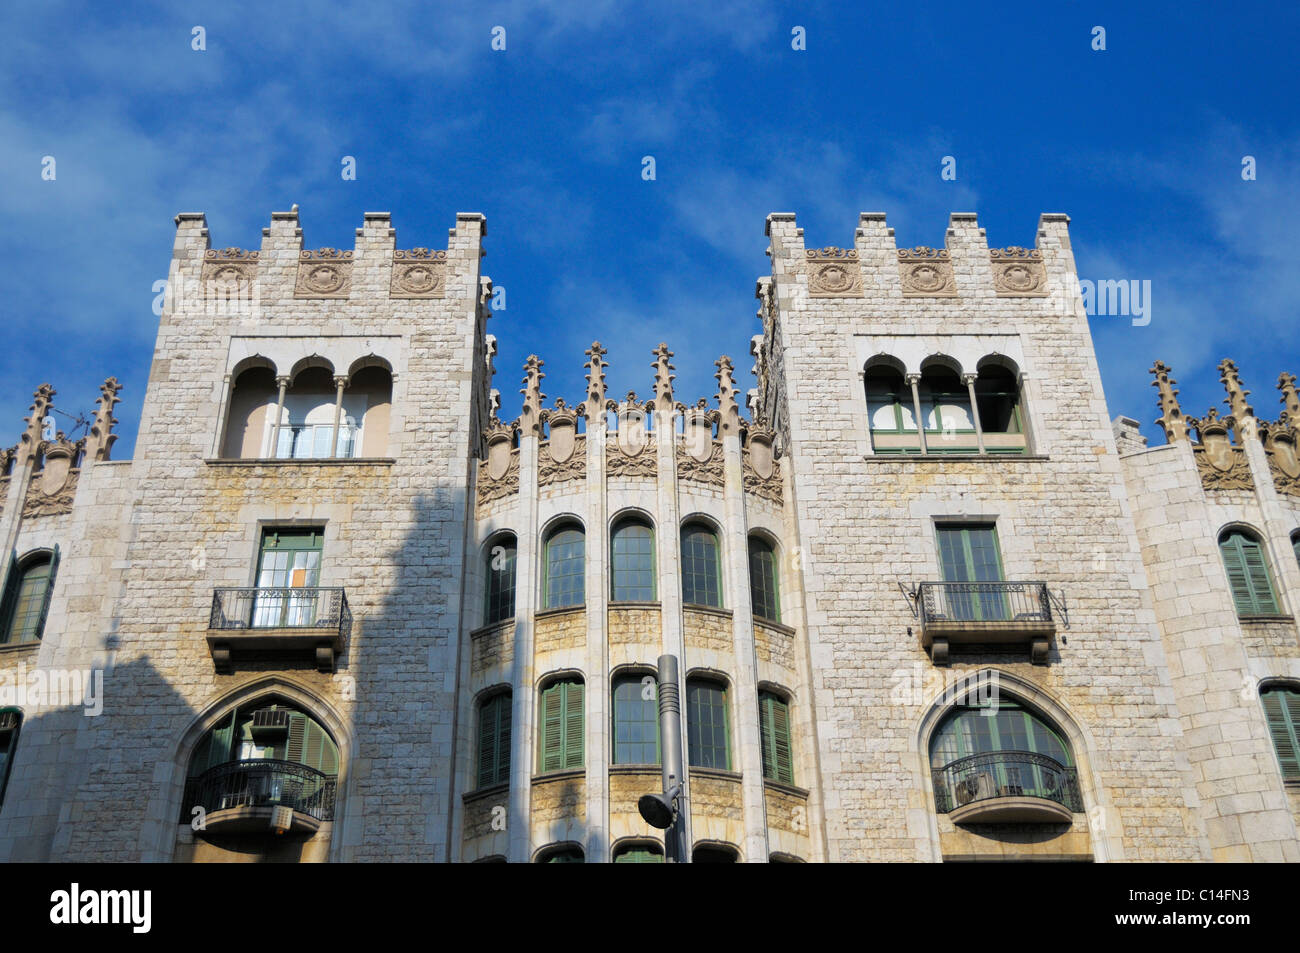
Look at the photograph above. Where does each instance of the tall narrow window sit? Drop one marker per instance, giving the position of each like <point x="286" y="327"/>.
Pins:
<point x="890" y="411"/>
<point x="288" y="574"/>
<point x="762" y="580"/>
<point x="561" y="722"/>
<point x="29" y="584"/>
<point x="971" y="564"/>
<point x="635" y="719"/>
<point x="501" y="580"/>
<point x="1282" y="711"/>
<point x="566" y="566"/>
<point x="707" y="732"/>
<point x="774" y="732"/>
<point x="997" y="397"/>
<point x="945" y="404"/>
<point x="494" y="740"/>
<point x="1243" y="559"/>
<point x="701" y="584"/>
<point x="10" y="721"/>
<point x="632" y="563"/>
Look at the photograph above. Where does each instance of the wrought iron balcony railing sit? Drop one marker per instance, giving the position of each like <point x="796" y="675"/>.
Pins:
<point x="280" y="609"/>
<point x="984" y="603"/>
<point x="261" y="783"/>
<point x="1004" y="774"/>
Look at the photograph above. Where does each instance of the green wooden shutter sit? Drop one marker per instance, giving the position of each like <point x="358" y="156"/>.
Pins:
<point x="8" y="596"/>
<point x="1243" y="560"/>
<point x="310" y="744"/>
<point x="1282" y="710"/>
<point x="553" y="727"/>
<point x="49" y="593"/>
<point x="774" y="729"/>
<point x="573" y="726"/>
<point x="487" y="742"/>
<point x="1295" y="545"/>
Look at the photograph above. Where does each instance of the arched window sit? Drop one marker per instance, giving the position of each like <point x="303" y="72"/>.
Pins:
<point x="1282" y="711"/>
<point x="890" y="410"/>
<point x="561" y="719"/>
<point x="1295" y="546"/>
<point x="367" y="402"/>
<point x="1012" y="752"/>
<point x="946" y="410"/>
<point x="635" y="720"/>
<point x="11" y="720"/>
<point x="29" y="584"/>
<point x="252" y="405"/>
<point x="494" y="739"/>
<point x="565" y="568"/>
<point x="632" y="562"/>
<point x="264" y="754"/>
<point x="561" y="854"/>
<point x="714" y="854"/>
<point x="774" y="734"/>
<point x="306" y="429"/>
<point x="1248" y="577"/>
<point x="708" y="735"/>
<point x="763" y="589"/>
<point x="639" y="852"/>
<point x="501" y="555"/>
<point x="701" y="580"/>
<point x="997" y="398"/>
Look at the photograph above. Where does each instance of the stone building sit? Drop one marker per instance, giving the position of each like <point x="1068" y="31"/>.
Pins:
<point x="928" y="603"/>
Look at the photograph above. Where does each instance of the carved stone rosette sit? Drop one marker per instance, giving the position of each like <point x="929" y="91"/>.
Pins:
<point x="228" y="273"/>
<point x="324" y="273"/>
<point x="926" y="273"/>
<point x="622" y="464"/>
<point x="490" y="489"/>
<point x="833" y="272"/>
<point x="1018" y="272"/>
<point x="418" y="273"/>
<point x="708" y="471"/>
<point x="550" y="471"/>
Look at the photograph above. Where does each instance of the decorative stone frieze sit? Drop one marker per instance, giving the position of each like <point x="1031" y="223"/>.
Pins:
<point x="418" y="273"/>
<point x="926" y="273"/>
<point x="833" y="272"/>
<point x="53" y="489"/>
<point x="708" y="471"/>
<point x="324" y="273"/>
<point x="551" y="471"/>
<point x="1221" y="465"/>
<point x="1018" y="272"/>
<point x="498" y="475"/>
<point x="228" y="273"/>
<point x="619" y="463"/>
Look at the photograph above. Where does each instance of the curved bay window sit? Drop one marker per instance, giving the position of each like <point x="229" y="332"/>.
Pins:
<point x="263" y="756"/>
<point x="1002" y="762"/>
<point x="763" y="588"/>
<point x="28" y="586"/>
<point x="635" y="720"/>
<point x="890" y="410"/>
<point x="701" y="580"/>
<point x="563" y="582"/>
<point x="632" y="562"/>
<point x="1248" y="576"/>
<point x="501" y="557"/>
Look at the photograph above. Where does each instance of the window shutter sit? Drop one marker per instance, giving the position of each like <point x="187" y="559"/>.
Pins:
<point x="503" y="737"/>
<point x="573" y="726"/>
<point x="1235" y="566"/>
<point x="1282" y="711"/>
<point x="1257" y="574"/>
<point x="781" y="741"/>
<point x="8" y="595"/>
<point x="765" y="733"/>
<point x="49" y="592"/>
<point x="553" y="728"/>
<point x="488" y="728"/>
<point x="297" y="748"/>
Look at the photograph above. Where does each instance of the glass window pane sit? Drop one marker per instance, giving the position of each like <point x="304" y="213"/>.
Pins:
<point x="632" y="563"/>
<point x="763" y="580"/>
<point x="636" y="721"/>
<point x="700" y="578"/>
<point x="565" y="569"/>
<point x="706" y="725"/>
<point x="501" y="582"/>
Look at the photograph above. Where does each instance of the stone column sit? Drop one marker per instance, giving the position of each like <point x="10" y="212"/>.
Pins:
<point x="598" y="682"/>
<point x="912" y="381"/>
<point x="969" y="380"/>
<point x="340" y="382"/>
<point x="283" y="384"/>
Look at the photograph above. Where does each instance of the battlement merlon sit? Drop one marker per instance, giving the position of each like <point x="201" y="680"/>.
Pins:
<point x="873" y="236"/>
<point x="230" y="279"/>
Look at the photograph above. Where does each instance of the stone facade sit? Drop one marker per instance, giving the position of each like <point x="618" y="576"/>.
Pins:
<point x="1132" y="653"/>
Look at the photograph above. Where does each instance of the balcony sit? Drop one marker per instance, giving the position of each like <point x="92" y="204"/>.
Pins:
<point x="247" y="622"/>
<point x="985" y="613"/>
<point x="1007" y="787"/>
<point x="243" y="796"/>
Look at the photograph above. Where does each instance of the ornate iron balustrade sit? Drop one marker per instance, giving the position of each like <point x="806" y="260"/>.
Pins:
<point x="988" y="603"/>
<point x="280" y="609"/>
<point x="1006" y="774"/>
<point x="261" y="783"/>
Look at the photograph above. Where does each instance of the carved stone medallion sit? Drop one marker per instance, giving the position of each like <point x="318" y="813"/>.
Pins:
<point x="926" y="272"/>
<point x="324" y="273"/>
<point x="833" y="272"/>
<point x="418" y="273"/>
<point x="1018" y="272"/>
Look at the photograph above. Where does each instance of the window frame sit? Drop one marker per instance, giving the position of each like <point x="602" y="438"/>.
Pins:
<point x="1235" y="540"/>
<point x="773" y="575"/>
<point x="552" y="539"/>
<point x="493" y="592"/>
<point x="11" y="595"/>
<point x="694" y="740"/>
<point x="768" y="700"/>
<point x="621" y="525"/>
<point x="697" y="527"/>
<point x="1283" y="723"/>
<point x="570" y="754"/>
<point x="634" y="679"/>
<point x="502" y="704"/>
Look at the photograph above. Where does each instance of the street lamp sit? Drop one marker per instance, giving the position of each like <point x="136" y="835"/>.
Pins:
<point x="665" y="811"/>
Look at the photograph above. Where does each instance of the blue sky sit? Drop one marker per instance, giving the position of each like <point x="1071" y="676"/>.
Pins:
<point x="1141" y="144"/>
